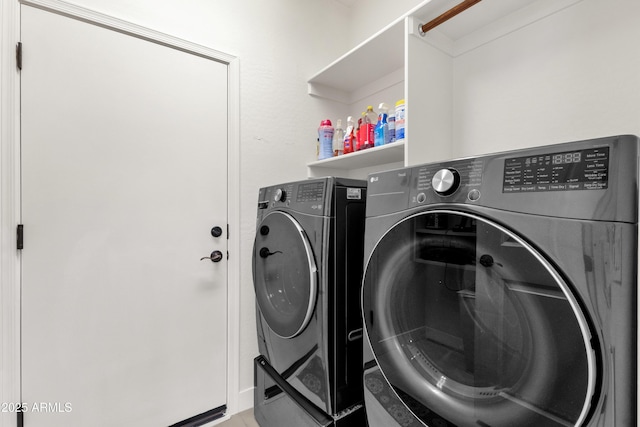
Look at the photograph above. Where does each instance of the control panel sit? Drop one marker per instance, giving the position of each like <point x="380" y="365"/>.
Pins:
<point x="310" y="192"/>
<point x="455" y="181"/>
<point x="304" y="196"/>
<point x="560" y="171"/>
<point x="566" y="180"/>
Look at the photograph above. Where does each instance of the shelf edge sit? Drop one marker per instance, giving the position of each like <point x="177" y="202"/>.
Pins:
<point x="390" y="153"/>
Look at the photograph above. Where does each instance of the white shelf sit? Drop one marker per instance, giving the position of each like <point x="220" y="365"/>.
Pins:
<point x="389" y="153"/>
<point x="376" y="58"/>
<point x="383" y="53"/>
<point x="398" y="62"/>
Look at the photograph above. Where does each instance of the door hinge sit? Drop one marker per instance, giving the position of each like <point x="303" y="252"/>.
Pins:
<point x="227" y="231"/>
<point x="20" y="237"/>
<point x="19" y="55"/>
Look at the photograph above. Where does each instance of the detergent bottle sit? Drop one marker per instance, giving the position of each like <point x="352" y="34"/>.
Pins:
<point x="325" y="135"/>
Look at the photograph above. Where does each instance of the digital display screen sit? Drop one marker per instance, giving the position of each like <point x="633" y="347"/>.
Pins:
<point x="566" y="158"/>
<point x="565" y="171"/>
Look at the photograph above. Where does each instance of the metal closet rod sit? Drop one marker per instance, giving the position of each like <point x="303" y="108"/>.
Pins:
<point x="459" y="8"/>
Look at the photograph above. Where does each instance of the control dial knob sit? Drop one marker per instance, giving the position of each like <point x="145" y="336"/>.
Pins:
<point x="280" y="195"/>
<point x="445" y="181"/>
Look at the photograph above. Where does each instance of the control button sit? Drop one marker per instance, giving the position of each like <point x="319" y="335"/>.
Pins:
<point x="445" y="181"/>
<point x="280" y="195"/>
<point x="421" y="198"/>
<point x="473" y="195"/>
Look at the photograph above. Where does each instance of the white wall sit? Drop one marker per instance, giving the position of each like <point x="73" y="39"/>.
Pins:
<point x="575" y="75"/>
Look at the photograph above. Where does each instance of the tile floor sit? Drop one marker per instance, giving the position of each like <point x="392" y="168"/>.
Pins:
<point x="242" y="419"/>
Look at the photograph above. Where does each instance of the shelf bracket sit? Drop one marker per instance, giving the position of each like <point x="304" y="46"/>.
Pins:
<point x="455" y="10"/>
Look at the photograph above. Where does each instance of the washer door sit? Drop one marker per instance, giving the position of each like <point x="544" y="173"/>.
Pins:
<point x="284" y="274"/>
<point x="471" y="326"/>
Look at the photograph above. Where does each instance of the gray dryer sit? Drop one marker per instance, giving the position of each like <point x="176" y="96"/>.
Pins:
<point x="501" y="290"/>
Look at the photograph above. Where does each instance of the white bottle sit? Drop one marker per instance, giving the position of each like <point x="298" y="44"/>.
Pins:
<point x="350" y="139"/>
<point x="338" y="139"/>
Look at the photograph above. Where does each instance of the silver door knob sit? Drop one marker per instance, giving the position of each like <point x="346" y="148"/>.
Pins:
<point x="216" y="256"/>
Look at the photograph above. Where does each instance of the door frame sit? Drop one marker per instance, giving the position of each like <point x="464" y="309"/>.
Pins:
<point x="10" y="197"/>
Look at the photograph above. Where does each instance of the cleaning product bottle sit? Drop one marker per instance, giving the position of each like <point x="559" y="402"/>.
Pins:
<point x="338" y="139"/>
<point x="400" y="117"/>
<point x="349" y="137"/>
<point x="392" y="127"/>
<point x="382" y="127"/>
<point x="359" y="133"/>
<point x="325" y="133"/>
<point x="369" y="121"/>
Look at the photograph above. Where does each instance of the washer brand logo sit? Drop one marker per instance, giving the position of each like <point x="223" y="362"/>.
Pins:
<point x="319" y="207"/>
<point x="374" y="179"/>
<point x="402" y="174"/>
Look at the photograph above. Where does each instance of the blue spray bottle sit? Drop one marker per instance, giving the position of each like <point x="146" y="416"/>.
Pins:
<point x="382" y="127"/>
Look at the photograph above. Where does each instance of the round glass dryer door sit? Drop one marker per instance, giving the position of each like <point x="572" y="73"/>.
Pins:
<point x="471" y="326"/>
<point x="284" y="274"/>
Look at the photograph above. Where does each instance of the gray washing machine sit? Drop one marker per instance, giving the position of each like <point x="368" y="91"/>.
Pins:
<point x="307" y="272"/>
<point x="500" y="290"/>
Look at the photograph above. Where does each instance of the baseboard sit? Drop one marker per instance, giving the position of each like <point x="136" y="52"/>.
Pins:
<point x="245" y="399"/>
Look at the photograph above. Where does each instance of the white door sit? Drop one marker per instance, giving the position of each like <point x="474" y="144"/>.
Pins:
<point x="124" y="174"/>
